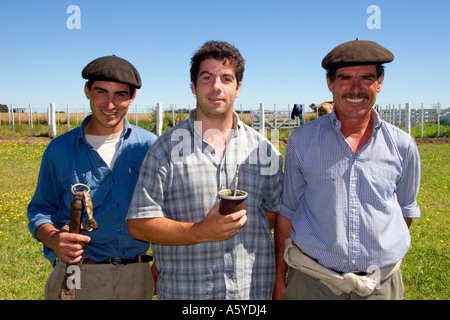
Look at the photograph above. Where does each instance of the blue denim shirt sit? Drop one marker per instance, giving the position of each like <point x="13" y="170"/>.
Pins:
<point x="69" y="159"/>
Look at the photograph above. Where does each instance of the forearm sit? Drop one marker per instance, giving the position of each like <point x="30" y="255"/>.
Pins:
<point x="164" y="231"/>
<point x="45" y="232"/>
<point x="282" y="230"/>
<point x="215" y="227"/>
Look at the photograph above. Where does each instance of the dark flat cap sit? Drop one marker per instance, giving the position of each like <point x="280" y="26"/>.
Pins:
<point x="112" y="68"/>
<point x="357" y="52"/>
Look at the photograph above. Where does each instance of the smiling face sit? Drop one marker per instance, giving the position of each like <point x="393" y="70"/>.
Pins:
<point x="216" y="89"/>
<point x="354" y="91"/>
<point x="109" y="102"/>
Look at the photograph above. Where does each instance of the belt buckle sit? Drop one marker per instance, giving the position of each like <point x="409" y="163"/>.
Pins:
<point x="115" y="261"/>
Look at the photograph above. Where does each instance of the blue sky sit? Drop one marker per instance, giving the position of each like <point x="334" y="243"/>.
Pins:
<point x="283" y="43"/>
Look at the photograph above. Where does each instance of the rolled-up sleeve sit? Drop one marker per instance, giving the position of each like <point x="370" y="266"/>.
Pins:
<point x="409" y="185"/>
<point x="293" y="185"/>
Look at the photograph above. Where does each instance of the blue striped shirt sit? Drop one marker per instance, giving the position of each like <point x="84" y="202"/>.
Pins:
<point x="180" y="179"/>
<point x="347" y="210"/>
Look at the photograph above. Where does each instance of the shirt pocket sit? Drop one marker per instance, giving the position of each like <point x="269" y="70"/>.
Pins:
<point x="250" y="179"/>
<point x="379" y="186"/>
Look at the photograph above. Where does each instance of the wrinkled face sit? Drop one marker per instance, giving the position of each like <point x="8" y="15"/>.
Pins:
<point x="109" y="103"/>
<point x="354" y="91"/>
<point x="216" y="88"/>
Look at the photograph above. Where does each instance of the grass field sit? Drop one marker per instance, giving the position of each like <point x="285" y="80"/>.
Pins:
<point x="24" y="270"/>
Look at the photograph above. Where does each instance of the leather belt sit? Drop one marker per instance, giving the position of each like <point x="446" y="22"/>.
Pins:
<point x="117" y="260"/>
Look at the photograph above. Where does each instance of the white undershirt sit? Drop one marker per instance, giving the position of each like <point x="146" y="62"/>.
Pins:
<point x="106" y="146"/>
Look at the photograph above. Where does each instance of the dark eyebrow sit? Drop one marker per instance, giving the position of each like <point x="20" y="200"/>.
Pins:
<point x="205" y="72"/>
<point x="221" y="75"/>
<point x="103" y="89"/>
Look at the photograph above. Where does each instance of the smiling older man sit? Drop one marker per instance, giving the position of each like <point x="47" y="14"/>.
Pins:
<point x="351" y="182"/>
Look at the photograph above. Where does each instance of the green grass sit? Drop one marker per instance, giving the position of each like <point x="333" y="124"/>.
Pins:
<point x="24" y="270"/>
<point x="426" y="267"/>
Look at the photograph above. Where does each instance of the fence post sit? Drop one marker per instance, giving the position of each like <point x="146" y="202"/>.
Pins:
<point x="173" y="115"/>
<point x="13" y="124"/>
<point x="261" y="119"/>
<point x="438" y="119"/>
<point x="408" y="118"/>
<point x="31" y="121"/>
<point x="68" y="118"/>
<point x="422" y="122"/>
<point x="135" y="115"/>
<point x="159" y="119"/>
<point x="52" y="116"/>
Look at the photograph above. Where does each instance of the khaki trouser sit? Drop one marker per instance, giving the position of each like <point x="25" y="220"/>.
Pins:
<point x="309" y="280"/>
<point x="105" y="281"/>
<point x="300" y="286"/>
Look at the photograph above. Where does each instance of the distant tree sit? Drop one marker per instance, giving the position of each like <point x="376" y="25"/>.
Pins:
<point x="3" y="108"/>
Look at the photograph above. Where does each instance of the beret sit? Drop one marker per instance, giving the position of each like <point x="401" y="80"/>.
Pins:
<point x="356" y="52"/>
<point x="112" y="68"/>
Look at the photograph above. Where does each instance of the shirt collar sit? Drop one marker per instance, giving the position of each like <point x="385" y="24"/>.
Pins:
<point x="375" y="116"/>
<point x="238" y="124"/>
<point x="82" y="137"/>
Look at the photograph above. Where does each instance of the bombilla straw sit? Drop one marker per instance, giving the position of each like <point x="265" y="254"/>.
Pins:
<point x="236" y="181"/>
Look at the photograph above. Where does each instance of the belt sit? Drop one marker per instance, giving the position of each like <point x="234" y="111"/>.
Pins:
<point x="340" y="272"/>
<point x="117" y="260"/>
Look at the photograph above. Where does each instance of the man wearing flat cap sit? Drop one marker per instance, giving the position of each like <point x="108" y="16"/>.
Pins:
<point x="350" y="189"/>
<point x="103" y="156"/>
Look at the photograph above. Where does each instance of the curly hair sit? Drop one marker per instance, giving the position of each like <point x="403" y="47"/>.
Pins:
<point x="218" y="50"/>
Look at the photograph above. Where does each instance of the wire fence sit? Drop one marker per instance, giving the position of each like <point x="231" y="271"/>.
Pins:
<point x="159" y="118"/>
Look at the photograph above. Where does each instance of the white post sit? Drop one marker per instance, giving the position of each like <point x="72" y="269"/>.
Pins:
<point x="68" y="118"/>
<point x="275" y="122"/>
<point x="261" y="119"/>
<point x="52" y="116"/>
<point x="159" y="119"/>
<point x="31" y="121"/>
<point x="289" y="118"/>
<point x="438" y="119"/>
<point x="422" y="121"/>
<point x="13" y="124"/>
<point x="408" y="118"/>
<point x="173" y="115"/>
<point x="135" y="115"/>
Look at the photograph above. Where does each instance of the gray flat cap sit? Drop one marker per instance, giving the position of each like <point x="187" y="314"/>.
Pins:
<point x="112" y="68"/>
<point x="356" y="52"/>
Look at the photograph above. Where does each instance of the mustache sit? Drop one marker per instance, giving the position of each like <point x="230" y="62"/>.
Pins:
<point x="356" y="96"/>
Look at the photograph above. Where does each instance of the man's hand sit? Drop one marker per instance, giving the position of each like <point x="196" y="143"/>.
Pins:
<point x="68" y="247"/>
<point x="217" y="227"/>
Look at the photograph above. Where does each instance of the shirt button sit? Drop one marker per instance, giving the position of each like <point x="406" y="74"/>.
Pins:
<point x="353" y="261"/>
<point x="354" y="236"/>
<point x="120" y="229"/>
